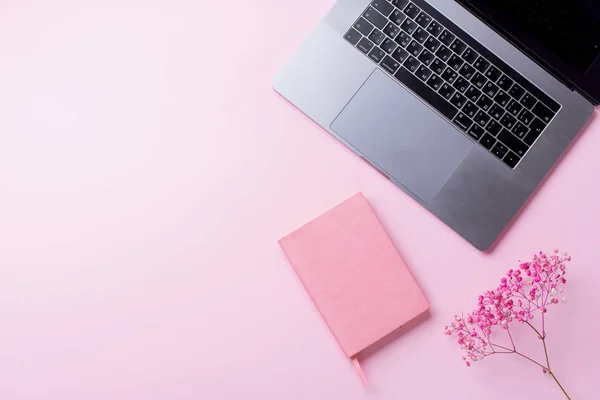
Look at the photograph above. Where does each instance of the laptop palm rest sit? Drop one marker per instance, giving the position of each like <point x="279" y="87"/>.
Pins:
<point x="402" y="136"/>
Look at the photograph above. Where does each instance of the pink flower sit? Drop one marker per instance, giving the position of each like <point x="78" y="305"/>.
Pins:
<point x="511" y="302"/>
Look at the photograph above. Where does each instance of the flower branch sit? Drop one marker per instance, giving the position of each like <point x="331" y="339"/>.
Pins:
<point x="522" y="293"/>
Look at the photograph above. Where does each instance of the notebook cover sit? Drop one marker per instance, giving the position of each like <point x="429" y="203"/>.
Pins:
<point x="354" y="274"/>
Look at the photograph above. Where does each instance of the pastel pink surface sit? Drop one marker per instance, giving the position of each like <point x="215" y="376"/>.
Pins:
<point x="146" y="174"/>
<point x="354" y="274"/>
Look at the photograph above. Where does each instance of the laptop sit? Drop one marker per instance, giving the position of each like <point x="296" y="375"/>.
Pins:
<point x="465" y="105"/>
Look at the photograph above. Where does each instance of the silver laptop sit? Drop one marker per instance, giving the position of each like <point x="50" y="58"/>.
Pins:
<point x="466" y="107"/>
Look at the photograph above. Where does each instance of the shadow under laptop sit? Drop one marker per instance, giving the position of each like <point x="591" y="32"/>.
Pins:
<point x="394" y="335"/>
<point x="582" y="132"/>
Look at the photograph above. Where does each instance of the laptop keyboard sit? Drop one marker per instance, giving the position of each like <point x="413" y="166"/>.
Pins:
<point x="480" y="94"/>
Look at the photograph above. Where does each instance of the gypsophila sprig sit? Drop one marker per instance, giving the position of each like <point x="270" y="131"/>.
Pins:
<point x="523" y="294"/>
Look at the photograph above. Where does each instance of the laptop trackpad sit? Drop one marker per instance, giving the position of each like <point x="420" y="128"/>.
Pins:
<point x="402" y="136"/>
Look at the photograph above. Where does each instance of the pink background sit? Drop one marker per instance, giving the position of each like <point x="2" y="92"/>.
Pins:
<point x="147" y="170"/>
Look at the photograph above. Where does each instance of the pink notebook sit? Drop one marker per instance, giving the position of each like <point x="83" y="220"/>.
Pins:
<point x="354" y="275"/>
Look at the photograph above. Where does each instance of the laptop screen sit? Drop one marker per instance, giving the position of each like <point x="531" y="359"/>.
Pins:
<point x="568" y="29"/>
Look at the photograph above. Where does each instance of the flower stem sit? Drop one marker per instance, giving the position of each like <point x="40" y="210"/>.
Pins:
<point x="536" y="331"/>
<point x="511" y="351"/>
<point x="548" y="360"/>
<point x="559" y="385"/>
<point x="511" y="339"/>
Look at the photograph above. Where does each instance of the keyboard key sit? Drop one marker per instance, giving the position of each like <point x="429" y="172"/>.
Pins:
<point x="353" y="36"/>
<point x="449" y="75"/>
<point x="376" y="54"/>
<point x="487" y="141"/>
<point x="397" y="17"/>
<point x="525" y="117"/>
<point x="377" y="37"/>
<point x="493" y="127"/>
<point x="458" y="46"/>
<point x="528" y="101"/>
<point x="493" y="74"/>
<point x="363" y="26"/>
<point x="414" y="48"/>
<point x="364" y="45"/>
<point x="435" y="82"/>
<point x="470" y="55"/>
<point x="375" y="18"/>
<point x="426" y="93"/>
<point x="403" y="39"/>
<point x="420" y="35"/>
<point x="408" y="26"/>
<point x="476" y="132"/>
<point x="412" y="64"/>
<point x="383" y="7"/>
<point x="502" y="98"/>
<point x="481" y="64"/>
<point x="463" y="122"/>
<point x="513" y="142"/>
<point x="446" y="91"/>
<point x="423" y="73"/>
<point x="543" y="97"/>
<point x="482" y="118"/>
<point x="473" y="93"/>
<point x="426" y="57"/>
<point x="536" y="129"/>
<point x="432" y="44"/>
<point x="435" y="29"/>
<point x="490" y="89"/>
<point x="389" y="46"/>
<point x="455" y="62"/>
<point x="399" y="3"/>
<point x="391" y="30"/>
<point x="511" y="159"/>
<point x="400" y="55"/>
<point x="485" y="102"/>
<point x="438" y="66"/>
<point x="458" y="100"/>
<point x="497" y="150"/>
<point x="446" y="37"/>
<point x="517" y="92"/>
<point x="390" y="65"/>
<point x="412" y="10"/>
<point x="461" y="84"/>
<point x="478" y="80"/>
<point x="508" y="121"/>
<point x="505" y="83"/>
<point x="514" y="107"/>
<point x="470" y="109"/>
<point x="496" y="111"/>
<point x="502" y="148"/>
<point x="444" y="53"/>
<point x="543" y="112"/>
<point x="520" y="130"/>
<point x="467" y="71"/>
<point x="423" y="19"/>
<point x="540" y="96"/>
